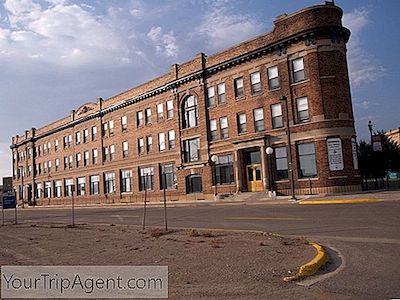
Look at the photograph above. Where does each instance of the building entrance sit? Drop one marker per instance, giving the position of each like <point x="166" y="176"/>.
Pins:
<point x="253" y="169"/>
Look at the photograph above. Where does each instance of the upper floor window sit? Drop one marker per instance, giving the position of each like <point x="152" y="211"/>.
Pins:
<point x="190" y="113"/>
<point x="161" y="141"/>
<point x="78" y="138"/>
<point x="238" y="83"/>
<point x="255" y="82"/>
<point x="112" y="152"/>
<point x="149" y="141"/>
<point x="69" y="140"/>
<point x="124" y="123"/>
<point x="259" y="119"/>
<point x="223" y="123"/>
<point x="273" y="77"/>
<point x="241" y="119"/>
<point x="170" y="109"/>
<point x="302" y="109"/>
<point x="86" y="135"/>
<point x="111" y="126"/>
<point x="221" y="93"/>
<point x="298" y="69"/>
<point x="55" y="145"/>
<point x="213" y="130"/>
<point x="276" y="112"/>
<point x="94" y="133"/>
<point x="192" y="150"/>
<point x="95" y="154"/>
<point x="211" y="96"/>
<point x="139" y="118"/>
<point x="86" y="158"/>
<point x="160" y="111"/>
<point x="171" y="139"/>
<point x="125" y="149"/>
<point x="148" y="115"/>
<point x="141" y="146"/>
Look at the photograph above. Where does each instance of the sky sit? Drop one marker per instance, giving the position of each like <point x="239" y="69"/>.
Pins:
<point x="56" y="55"/>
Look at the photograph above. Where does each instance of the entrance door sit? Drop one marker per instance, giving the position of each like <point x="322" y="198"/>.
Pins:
<point x="254" y="178"/>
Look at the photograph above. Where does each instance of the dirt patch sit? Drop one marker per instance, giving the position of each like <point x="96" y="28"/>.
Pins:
<point x="208" y="264"/>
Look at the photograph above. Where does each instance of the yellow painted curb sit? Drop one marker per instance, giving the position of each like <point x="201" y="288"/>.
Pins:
<point x="312" y="266"/>
<point x="339" y="201"/>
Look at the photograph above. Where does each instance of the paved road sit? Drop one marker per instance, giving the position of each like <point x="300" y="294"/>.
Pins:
<point x="368" y="235"/>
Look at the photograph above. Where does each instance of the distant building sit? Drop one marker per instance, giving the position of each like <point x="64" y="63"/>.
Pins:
<point x="394" y="135"/>
<point x="205" y="125"/>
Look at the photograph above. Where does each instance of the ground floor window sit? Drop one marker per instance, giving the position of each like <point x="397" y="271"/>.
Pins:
<point x="94" y="185"/>
<point x="47" y="189"/>
<point x="58" y="189"/>
<point x="194" y="184"/>
<point x="126" y="181"/>
<point x="146" y="178"/>
<point x="307" y="161"/>
<point x="81" y="186"/>
<point x="38" y="190"/>
<point x="223" y="170"/>
<point x="168" y="176"/>
<point x="109" y="183"/>
<point x="281" y="163"/>
<point x="69" y="187"/>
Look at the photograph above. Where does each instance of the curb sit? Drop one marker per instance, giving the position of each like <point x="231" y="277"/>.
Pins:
<point x="340" y="201"/>
<point x="312" y="266"/>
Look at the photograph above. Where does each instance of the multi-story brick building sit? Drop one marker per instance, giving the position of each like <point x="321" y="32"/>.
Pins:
<point x="206" y="125"/>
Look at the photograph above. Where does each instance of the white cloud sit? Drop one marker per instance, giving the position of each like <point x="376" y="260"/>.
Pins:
<point x="165" y="43"/>
<point x="365" y="104"/>
<point x="363" y="66"/>
<point x="222" y="28"/>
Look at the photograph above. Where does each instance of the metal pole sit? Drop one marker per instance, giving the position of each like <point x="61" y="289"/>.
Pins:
<point x="2" y="211"/>
<point x="165" y="201"/>
<point x="16" y="215"/>
<point x="73" y="207"/>
<point x="145" y="200"/>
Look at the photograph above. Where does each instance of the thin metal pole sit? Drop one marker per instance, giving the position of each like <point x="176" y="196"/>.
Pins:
<point x="16" y="215"/>
<point x="165" y="202"/>
<point x="73" y="207"/>
<point x="145" y="200"/>
<point x="2" y="212"/>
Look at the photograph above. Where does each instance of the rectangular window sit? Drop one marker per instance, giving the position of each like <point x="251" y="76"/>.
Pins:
<point x="69" y="187"/>
<point x="86" y="158"/>
<point x="160" y="112"/>
<point x="161" y="141"/>
<point x="55" y="145"/>
<point x="85" y="136"/>
<point x="70" y="140"/>
<point x="139" y="118"/>
<point x="105" y="153"/>
<point x="65" y="162"/>
<point x="94" y="185"/>
<point x="192" y="150"/>
<point x="47" y="189"/>
<point x="126" y="181"/>
<point x="211" y="96"/>
<point x="146" y="179"/>
<point x="170" y="109"/>
<point x="171" y="139"/>
<point x="80" y="191"/>
<point x="298" y="70"/>
<point x="112" y="152"/>
<point x="213" y="130"/>
<point x="148" y="115"/>
<point x="241" y="120"/>
<point x="109" y="180"/>
<point x="141" y="146"/>
<point x="302" y="109"/>
<point x="49" y="166"/>
<point x="273" y="78"/>
<point x="95" y="156"/>
<point x="45" y="148"/>
<point x="78" y="138"/>
<point x="94" y="133"/>
<point x="221" y="93"/>
<point x="45" y="167"/>
<point x="58" y="189"/>
<point x="239" y="91"/>
<point x="57" y="164"/>
<point x="168" y="177"/>
<point x="125" y="149"/>
<point x="255" y="82"/>
<point x="223" y="124"/>
<point x="111" y="127"/>
<point x="78" y="160"/>
<point x="105" y="128"/>
<point x="223" y="171"/>
<point x="276" y="113"/>
<point x="124" y="123"/>
<point x="71" y="160"/>
<point x="281" y="163"/>
<point x="259" y="119"/>
<point x="149" y="143"/>
<point x="307" y="162"/>
<point x="48" y="148"/>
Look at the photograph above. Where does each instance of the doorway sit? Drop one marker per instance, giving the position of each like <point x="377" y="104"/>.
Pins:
<point x="254" y="178"/>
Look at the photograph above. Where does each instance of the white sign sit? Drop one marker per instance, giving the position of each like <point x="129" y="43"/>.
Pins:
<point x="354" y="153"/>
<point x="335" y="154"/>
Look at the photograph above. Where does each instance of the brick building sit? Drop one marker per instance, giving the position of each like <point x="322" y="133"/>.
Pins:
<point x="394" y="135"/>
<point x="206" y="125"/>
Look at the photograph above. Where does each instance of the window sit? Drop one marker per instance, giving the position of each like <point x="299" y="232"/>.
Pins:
<point x="148" y="115"/>
<point x="190" y="114"/>
<point x="221" y="93"/>
<point x="105" y="153"/>
<point x="38" y="190"/>
<point x="126" y="181"/>
<point x="273" y="78"/>
<point x="48" y="147"/>
<point x="94" y="133"/>
<point x="45" y="167"/>
<point x="141" y="145"/>
<point x="281" y="163"/>
<point x="58" y="189"/>
<point x="80" y="191"/>
<point x="85" y="136"/>
<point x="223" y="123"/>
<point x="146" y="178"/>
<point x="161" y="141"/>
<point x="57" y="164"/>
<point x="86" y="158"/>
<point x="192" y="150"/>
<point x="47" y="189"/>
<point x="94" y="185"/>
<point x="276" y="112"/>
<point x="160" y="112"/>
<point x="70" y="140"/>
<point x="78" y="138"/>
<point x="124" y="123"/>
<point x="171" y="139"/>
<point x="149" y="142"/>
<point x="111" y="127"/>
<point x="255" y="82"/>
<point x="302" y="109"/>
<point x="125" y="149"/>
<point x="213" y="130"/>
<point x="65" y="142"/>
<point x="70" y="161"/>
<point x="94" y="156"/>
<point x="78" y="159"/>
<point x="69" y="187"/>
<point x="193" y="184"/>
<point x="55" y="145"/>
<point x="45" y="148"/>
<point x="109" y="179"/>
<point x="241" y="120"/>
<point x="170" y="109"/>
<point x="139" y="118"/>
<point x="307" y="162"/>
<point x="168" y="177"/>
<point x="112" y="152"/>
<point x="211" y="96"/>
<point x="259" y="119"/>
<point x="223" y="170"/>
<point x="65" y="163"/>
<point x="298" y="70"/>
<point x="238" y="83"/>
<point x="49" y="164"/>
<point x="105" y="128"/>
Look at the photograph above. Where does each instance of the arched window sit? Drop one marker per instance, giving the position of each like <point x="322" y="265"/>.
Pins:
<point x="190" y="114"/>
<point x="193" y="184"/>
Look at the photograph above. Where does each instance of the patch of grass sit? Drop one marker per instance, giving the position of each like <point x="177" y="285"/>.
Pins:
<point x="194" y="233"/>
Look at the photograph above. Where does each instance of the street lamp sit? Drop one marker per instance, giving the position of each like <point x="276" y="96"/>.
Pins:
<point x="370" y="125"/>
<point x="283" y="99"/>
<point x="269" y="151"/>
<point x="214" y="159"/>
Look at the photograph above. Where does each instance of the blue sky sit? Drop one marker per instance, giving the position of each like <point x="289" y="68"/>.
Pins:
<point x="56" y="55"/>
